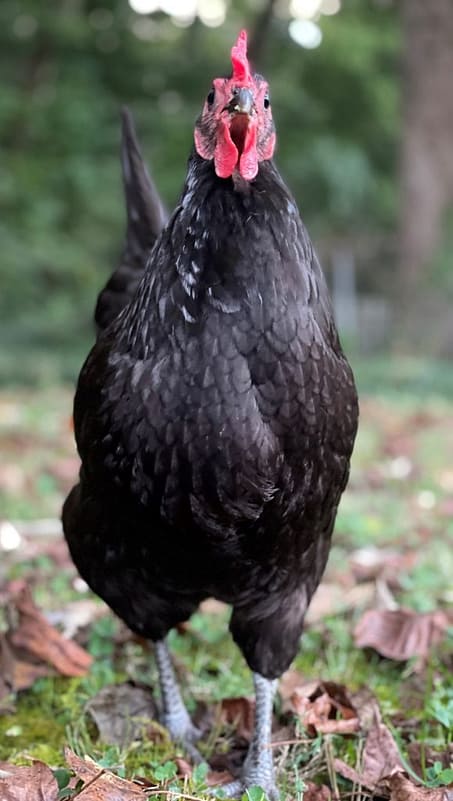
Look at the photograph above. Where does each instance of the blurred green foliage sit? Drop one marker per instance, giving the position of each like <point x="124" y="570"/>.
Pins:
<point x="67" y="68"/>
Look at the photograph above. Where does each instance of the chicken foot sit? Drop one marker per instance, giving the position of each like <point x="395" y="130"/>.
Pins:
<point x="258" y="767"/>
<point x="174" y="715"/>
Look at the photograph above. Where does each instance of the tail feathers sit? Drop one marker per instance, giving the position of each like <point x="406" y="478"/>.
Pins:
<point x="146" y="216"/>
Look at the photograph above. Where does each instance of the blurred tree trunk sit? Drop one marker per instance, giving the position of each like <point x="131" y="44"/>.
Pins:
<point x="260" y="33"/>
<point x="427" y="145"/>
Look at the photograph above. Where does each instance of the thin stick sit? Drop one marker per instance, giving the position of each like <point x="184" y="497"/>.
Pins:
<point x="174" y="793"/>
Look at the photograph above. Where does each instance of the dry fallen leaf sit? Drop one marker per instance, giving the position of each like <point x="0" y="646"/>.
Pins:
<point x="380" y="754"/>
<point x="401" y="633"/>
<point x="403" y="788"/>
<point x="16" y="673"/>
<point x="218" y="777"/>
<point x="240" y="712"/>
<point x="35" y="637"/>
<point x="101" y="784"/>
<point x="121" y="711"/>
<point x="366" y="705"/>
<point x="293" y="680"/>
<point x="322" y="707"/>
<point x="317" y="792"/>
<point x="184" y="767"/>
<point x="24" y="783"/>
<point x="380" y="759"/>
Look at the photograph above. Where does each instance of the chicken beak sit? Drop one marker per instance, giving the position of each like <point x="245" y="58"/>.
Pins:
<point x="236" y="137"/>
<point x="242" y="102"/>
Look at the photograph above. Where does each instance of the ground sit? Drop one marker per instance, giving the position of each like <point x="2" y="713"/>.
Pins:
<point x="392" y="551"/>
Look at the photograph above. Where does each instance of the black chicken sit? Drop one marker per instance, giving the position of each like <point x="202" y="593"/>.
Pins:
<point x="146" y="217"/>
<point x="216" y="416"/>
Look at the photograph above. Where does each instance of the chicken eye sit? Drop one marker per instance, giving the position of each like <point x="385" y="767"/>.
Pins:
<point x="210" y="97"/>
<point x="267" y="101"/>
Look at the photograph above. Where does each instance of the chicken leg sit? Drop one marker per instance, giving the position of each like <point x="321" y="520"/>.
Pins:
<point x="258" y="767"/>
<point x="175" y="716"/>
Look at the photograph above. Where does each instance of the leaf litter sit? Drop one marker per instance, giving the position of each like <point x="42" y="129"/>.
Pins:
<point x="401" y="633"/>
<point x="27" y="783"/>
<point x="239" y="713"/>
<point x="321" y="707"/>
<point x="31" y="648"/>
<point x="122" y="712"/>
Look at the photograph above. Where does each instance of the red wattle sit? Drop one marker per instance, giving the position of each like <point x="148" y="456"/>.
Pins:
<point x="248" y="163"/>
<point x="226" y="153"/>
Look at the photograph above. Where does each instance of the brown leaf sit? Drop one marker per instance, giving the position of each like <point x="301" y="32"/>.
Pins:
<point x="121" y="711"/>
<point x="338" y="726"/>
<point x="184" y="767"/>
<point x="17" y="674"/>
<point x="216" y="777"/>
<point x="380" y="759"/>
<point x="101" y="784"/>
<point x="311" y="712"/>
<point x="319" y="714"/>
<point x="37" y="638"/>
<point x="293" y="680"/>
<point x="23" y="783"/>
<point x="380" y="755"/>
<point x="317" y="792"/>
<point x="240" y="712"/>
<point x="366" y="705"/>
<point x="340" y="698"/>
<point x="322" y="707"/>
<point x="401" y="633"/>
<point x="349" y="773"/>
<point x="403" y="788"/>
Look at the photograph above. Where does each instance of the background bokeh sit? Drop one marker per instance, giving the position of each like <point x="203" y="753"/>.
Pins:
<point x="350" y="86"/>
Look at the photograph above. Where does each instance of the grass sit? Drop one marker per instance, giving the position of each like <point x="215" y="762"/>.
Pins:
<point x="400" y="496"/>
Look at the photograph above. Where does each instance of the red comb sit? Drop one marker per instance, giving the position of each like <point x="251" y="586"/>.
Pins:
<point x="241" y="67"/>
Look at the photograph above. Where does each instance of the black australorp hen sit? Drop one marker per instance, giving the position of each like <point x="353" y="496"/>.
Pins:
<point x="215" y="417"/>
<point x="146" y="217"/>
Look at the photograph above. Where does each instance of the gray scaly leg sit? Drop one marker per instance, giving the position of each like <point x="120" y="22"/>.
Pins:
<point x="175" y="716"/>
<point x="258" y="768"/>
